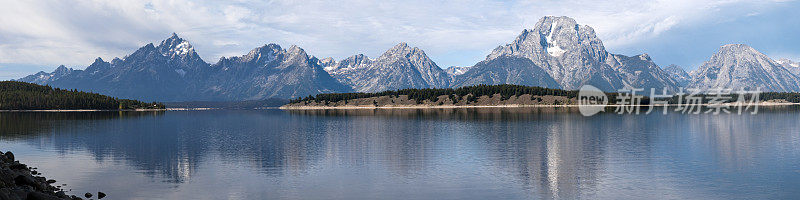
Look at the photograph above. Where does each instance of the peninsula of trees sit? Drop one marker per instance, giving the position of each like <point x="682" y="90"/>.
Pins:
<point x="496" y="95"/>
<point x="478" y="95"/>
<point x="16" y="95"/>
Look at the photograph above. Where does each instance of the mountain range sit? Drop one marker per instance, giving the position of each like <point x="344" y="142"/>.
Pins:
<point x="556" y="53"/>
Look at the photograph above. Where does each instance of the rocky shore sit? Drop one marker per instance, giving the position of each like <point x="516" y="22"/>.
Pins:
<point x="18" y="182"/>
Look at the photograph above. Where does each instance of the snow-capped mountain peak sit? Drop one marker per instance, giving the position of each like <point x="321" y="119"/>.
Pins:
<point x="175" y="46"/>
<point x="570" y="53"/>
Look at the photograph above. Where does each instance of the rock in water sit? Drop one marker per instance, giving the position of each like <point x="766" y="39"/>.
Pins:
<point x="17" y="181"/>
<point x="25" y="180"/>
<point x="88" y="195"/>
<point x="101" y="195"/>
<point x="10" y="156"/>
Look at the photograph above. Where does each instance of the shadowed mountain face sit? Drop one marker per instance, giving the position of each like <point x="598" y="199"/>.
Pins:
<point x="270" y="72"/>
<point x="506" y="70"/>
<point x="738" y="66"/>
<point x="172" y="71"/>
<point x="165" y="72"/>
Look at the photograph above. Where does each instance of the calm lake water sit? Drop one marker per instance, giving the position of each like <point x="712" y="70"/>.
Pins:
<point x="512" y="153"/>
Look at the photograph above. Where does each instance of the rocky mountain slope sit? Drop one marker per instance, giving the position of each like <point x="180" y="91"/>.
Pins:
<point x="163" y="72"/>
<point x="347" y="70"/>
<point x="792" y="66"/>
<point x="738" y="66"/>
<point x="641" y="72"/>
<point x="574" y="56"/>
<point x="457" y="70"/>
<point x="270" y="72"/>
<point x="43" y="78"/>
<point x="681" y="77"/>
<point x="400" y="67"/>
<point x="506" y="70"/>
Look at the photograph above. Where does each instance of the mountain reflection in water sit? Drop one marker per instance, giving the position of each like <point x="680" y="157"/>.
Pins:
<point x="473" y="153"/>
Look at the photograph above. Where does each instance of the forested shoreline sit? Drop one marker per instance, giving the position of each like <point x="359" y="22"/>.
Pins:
<point x="505" y="94"/>
<point x="15" y="95"/>
<point x="471" y="92"/>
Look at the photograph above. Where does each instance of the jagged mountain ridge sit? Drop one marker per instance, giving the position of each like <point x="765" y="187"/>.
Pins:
<point x="681" y="77"/>
<point x="400" y="67"/>
<point x="172" y="71"/>
<point x="457" y="70"/>
<point x="43" y="78"/>
<point x="739" y="66"/>
<point x="641" y="72"/>
<point x="556" y="53"/>
<point x="163" y="72"/>
<point x="792" y="66"/>
<point x="347" y="69"/>
<point x="270" y="72"/>
<point x="574" y="56"/>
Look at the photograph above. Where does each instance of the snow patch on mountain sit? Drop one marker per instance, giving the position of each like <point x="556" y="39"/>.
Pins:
<point x="457" y="70"/>
<point x="552" y="47"/>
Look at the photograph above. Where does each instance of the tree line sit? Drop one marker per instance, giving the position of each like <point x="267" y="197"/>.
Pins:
<point x="471" y="92"/>
<point x="15" y="95"/>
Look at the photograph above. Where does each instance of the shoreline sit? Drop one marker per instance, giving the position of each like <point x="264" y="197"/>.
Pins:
<point x="189" y="109"/>
<point x="503" y="106"/>
<point x="389" y="107"/>
<point x="19" y="181"/>
<point x="84" y="110"/>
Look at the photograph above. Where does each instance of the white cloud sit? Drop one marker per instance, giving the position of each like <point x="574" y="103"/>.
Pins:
<point x="52" y="32"/>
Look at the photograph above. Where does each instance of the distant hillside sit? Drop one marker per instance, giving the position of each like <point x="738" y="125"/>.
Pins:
<point x="16" y="95"/>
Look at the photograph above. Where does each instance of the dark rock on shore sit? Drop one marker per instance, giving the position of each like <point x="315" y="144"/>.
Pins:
<point x="17" y="182"/>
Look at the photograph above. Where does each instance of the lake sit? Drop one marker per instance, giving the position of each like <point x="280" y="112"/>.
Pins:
<point x="474" y="153"/>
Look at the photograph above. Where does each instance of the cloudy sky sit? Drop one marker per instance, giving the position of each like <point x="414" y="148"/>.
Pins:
<point x="42" y="34"/>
